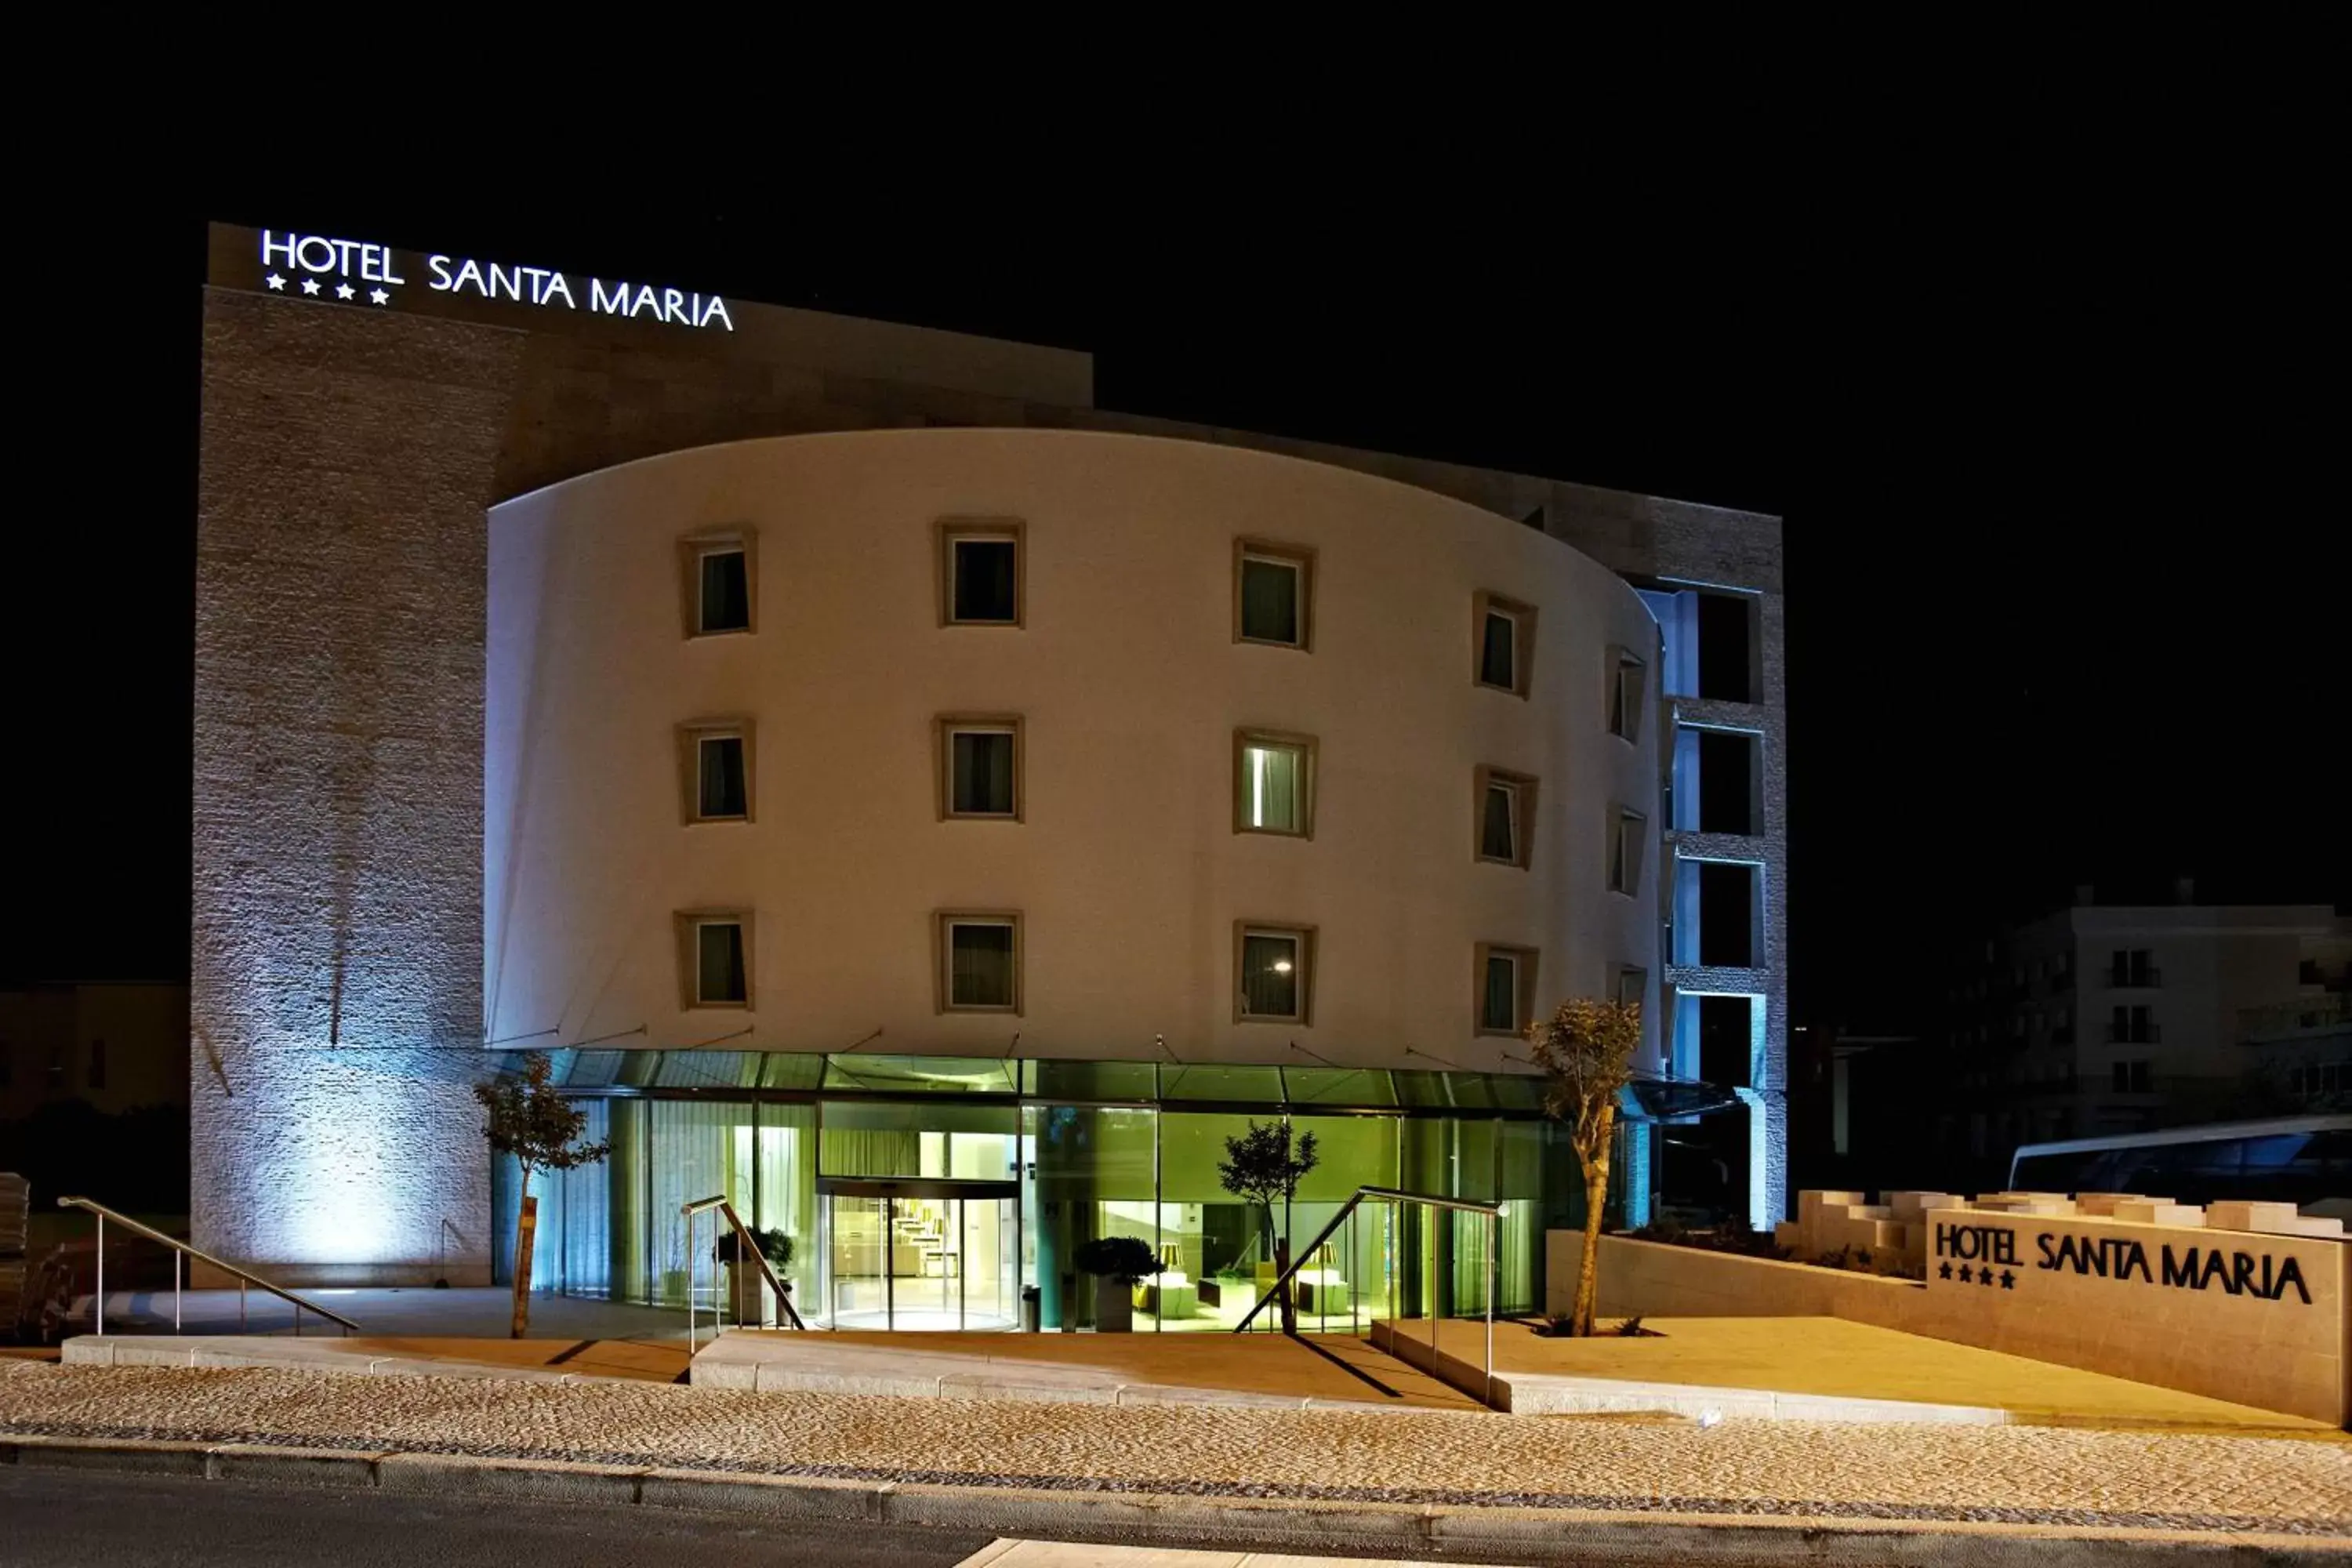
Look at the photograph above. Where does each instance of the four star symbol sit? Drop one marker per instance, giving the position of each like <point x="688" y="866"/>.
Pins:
<point x="343" y="290"/>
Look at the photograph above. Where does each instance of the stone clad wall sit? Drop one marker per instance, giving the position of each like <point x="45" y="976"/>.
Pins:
<point x="2226" y="1338"/>
<point x="341" y="579"/>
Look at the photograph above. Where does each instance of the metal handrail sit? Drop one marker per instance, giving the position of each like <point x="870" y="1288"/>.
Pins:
<point x="745" y="1242"/>
<point x="244" y="1278"/>
<point x="1493" y="1213"/>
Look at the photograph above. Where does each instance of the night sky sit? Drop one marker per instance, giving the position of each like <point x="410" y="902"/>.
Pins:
<point x="2067" y="592"/>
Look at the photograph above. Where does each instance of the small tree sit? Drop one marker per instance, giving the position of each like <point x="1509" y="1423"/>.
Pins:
<point x="1587" y="1050"/>
<point x="530" y="1120"/>
<point x="1262" y="1167"/>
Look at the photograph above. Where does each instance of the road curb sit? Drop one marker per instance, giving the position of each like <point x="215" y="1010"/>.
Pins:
<point x="1536" y="1535"/>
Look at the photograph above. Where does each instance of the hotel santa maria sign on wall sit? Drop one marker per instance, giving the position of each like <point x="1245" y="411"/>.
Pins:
<point x="355" y="272"/>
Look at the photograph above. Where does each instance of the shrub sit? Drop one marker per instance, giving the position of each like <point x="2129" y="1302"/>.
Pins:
<point x="1126" y="1258"/>
<point x="775" y="1246"/>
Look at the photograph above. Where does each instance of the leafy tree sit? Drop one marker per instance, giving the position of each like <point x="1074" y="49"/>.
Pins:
<point x="1263" y="1166"/>
<point x="1586" y="1048"/>
<point x="531" y="1119"/>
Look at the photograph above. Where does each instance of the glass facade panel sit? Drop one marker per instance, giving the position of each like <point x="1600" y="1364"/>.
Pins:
<point x="787" y="1069"/>
<point x="700" y="1148"/>
<point x="920" y="1074"/>
<point x="707" y="1069"/>
<point x="1234" y="1084"/>
<point x="1090" y="1081"/>
<point x="1352" y="1086"/>
<point x="942" y="1141"/>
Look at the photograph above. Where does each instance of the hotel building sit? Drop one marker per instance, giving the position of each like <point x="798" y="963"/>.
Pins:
<point x="930" y="810"/>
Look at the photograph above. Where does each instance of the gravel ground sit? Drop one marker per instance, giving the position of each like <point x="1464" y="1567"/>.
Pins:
<point x="2025" y="1475"/>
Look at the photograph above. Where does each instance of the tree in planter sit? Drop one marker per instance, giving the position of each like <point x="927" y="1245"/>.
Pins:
<point x="1118" y="1263"/>
<point x="530" y="1120"/>
<point x="1263" y="1167"/>
<point x="1586" y="1048"/>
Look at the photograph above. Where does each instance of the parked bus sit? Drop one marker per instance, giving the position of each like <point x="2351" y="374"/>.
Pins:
<point x="2305" y="1160"/>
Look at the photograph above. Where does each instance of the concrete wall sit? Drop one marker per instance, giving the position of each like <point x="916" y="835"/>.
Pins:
<point x="2276" y="1354"/>
<point x="1125" y="867"/>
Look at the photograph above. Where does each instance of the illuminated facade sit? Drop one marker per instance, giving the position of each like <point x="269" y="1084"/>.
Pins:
<point x="928" y="809"/>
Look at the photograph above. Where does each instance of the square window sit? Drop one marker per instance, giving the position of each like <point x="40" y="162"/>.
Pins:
<point x="1506" y="816"/>
<point x="1633" y="985"/>
<point x="979" y="574"/>
<point x="980" y="767"/>
<point x="1506" y="985"/>
<point x="1273" y="782"/>
<point x="1626" y="842"/>
<point x="715" y="772"/>
<point x="720" y="575"/>
<point x="980" y="962"/>
<point x="1505" y="632"/>
<point x="715" y="950"/>
<point x="1628" y="687"/>
<point x="1273" y="594"/>
<point x="1274" y="965"/>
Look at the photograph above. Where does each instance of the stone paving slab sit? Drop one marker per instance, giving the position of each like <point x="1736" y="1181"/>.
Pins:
<point x="933" y="1455"/>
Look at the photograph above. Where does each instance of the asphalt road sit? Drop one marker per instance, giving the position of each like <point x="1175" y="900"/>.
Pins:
<point x="59" y="1517"/>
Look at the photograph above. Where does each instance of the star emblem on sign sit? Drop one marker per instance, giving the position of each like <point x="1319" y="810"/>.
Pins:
<point x="275" y="281"/>
<point x="345" y="290"/>
<point x="2008" y="1281"/>
<point x="378" y="295"/>
<point x="1984" y="1276"/>
<point x="1965" y="1275"/>
<point x="1945" y="1273"/>
<point x="309" y="285"/>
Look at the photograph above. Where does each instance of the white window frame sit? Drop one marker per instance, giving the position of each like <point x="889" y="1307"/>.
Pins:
<point x="1302" y="941"/>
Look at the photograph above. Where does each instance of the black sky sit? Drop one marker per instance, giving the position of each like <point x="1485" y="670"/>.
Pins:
<point x="2066" y="548"/>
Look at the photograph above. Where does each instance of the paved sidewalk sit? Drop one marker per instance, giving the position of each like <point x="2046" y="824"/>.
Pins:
<point x="1915" y="1475"/>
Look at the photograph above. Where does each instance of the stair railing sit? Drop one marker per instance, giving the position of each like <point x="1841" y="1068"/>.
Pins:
<point x="1493" y="1213"/>
<point x="180" y="1249"/>
<point x="746" y="1246"/>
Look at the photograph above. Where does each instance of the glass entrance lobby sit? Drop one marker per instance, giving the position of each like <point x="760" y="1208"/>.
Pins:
<point x="929" y="1193"/>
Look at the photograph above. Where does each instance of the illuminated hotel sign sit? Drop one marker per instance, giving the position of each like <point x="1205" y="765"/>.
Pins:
<point x="353" y="273"/>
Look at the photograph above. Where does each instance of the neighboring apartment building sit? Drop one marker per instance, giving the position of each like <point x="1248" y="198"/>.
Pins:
<point x="2104" y="1019"/>
<point x="120" y="1045"/>
<point x="929" y="808"/>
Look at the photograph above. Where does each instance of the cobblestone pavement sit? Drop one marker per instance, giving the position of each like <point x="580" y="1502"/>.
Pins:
<point x="2007" y="1474"/>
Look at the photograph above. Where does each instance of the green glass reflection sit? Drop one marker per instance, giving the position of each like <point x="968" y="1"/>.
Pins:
<point x="1209" y="1081"/>
<point x="792" y="1069"/>
<point x="1086" y="1154"/>
<point x="1090" y="1080"/>
<point x="920" y="1074"/>
<point x="1351" y="1151"/>
<point x="1422" y="1090"/>
<point x="1368" y="1088"/>
<point x="971" y="1143"/>
<point x="707" y="1069"/>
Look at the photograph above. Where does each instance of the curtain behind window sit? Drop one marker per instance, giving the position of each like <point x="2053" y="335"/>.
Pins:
<point x="1266" y="989"/>
<point x="722" y="777"/>
<point x="1269" y="600"/>
<point x="1502" y="1004"/>
<point x="1496" y="836"/>
<point x="984" y="772"/>
<point x="1273" y="787"/>
<point x="1495" y="652"/>
<point x="979" y="972"/>
<point x="723" y="961"/>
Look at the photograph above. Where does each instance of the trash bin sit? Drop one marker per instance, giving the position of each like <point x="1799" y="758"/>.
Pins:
<point x="1029" y="1309"/>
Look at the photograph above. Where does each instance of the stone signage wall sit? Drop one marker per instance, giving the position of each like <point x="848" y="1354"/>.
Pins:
<point x="2255" y="1317"/>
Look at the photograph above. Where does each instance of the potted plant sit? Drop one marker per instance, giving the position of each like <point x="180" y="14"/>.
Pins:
<point x="743" y="1281"/>
<point x="1118" y="1263"/>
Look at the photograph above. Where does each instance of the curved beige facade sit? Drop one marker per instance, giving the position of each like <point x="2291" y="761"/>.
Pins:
<point x="1130" y="685"/>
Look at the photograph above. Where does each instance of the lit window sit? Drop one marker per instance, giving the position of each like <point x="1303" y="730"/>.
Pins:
<point x="1627" y="693"/>
<point x="1273" y="594"/>
<point x="1274" y="964"/>
<point x="715" y="950"/>
<point x="1626" y="841"/>
<point x="980" y="962"/>
<point x="1273" y="782"/>
<point x="1505" y="815"/>
<point x="979" y="574"/>
<point x="715" y="770"/>
<point x="1505" y="633"/>
<point x="979" y="760"/>
<point x="1506" y="984"/>
<point x="720" y="582"/>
